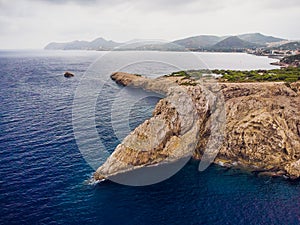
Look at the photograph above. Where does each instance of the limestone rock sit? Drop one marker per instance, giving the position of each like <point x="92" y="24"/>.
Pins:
<point x="293" y="169"/>
<point x="261" y="131"/>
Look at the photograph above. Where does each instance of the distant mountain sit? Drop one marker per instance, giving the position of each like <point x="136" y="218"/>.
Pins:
<point x="140" y="44"/>
<point x="97" y="44"/>
<point x="234" y="42"/>
<point x="162" y="47"/>
<point x="102" y="43"/>
<point x="259" y="38"/>
<point x="196" y="42"/>
<point x="208" y="41"/>
<point x="79" y="45"/>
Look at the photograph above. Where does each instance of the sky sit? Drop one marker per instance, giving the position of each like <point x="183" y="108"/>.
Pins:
<point x="32" y="24"/>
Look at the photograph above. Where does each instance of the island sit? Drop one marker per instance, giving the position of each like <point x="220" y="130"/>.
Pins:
<point x="261" y="130"/>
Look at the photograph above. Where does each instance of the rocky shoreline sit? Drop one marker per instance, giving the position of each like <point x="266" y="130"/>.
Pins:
<point x="288" y="61"/>
<point x="261" y="132"/>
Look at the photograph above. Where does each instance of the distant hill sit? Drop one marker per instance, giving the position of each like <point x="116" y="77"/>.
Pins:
<point x="162" y="47"/>
<point x="144" y="45"/>
<point x="102" y="43"/>
<point x="79" y="45"/>
<point x="289" y="46"/>
<point x="211" y="41"/>
<point x="293" y="60"/>
<point x="259" y="38"/>
<point x="97" y="44"/>
<point x="234" y="42"/>
<point x="196" y="42"/>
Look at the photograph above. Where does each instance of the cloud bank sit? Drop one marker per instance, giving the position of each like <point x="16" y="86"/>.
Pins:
<point x="34" y="23"/>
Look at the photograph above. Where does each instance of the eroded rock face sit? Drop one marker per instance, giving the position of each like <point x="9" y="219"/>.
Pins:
<point x="171" y="133"/>
<point x="261" y="130"/>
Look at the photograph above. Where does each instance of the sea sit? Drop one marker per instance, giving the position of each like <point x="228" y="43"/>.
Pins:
<point x="54" y="132"/>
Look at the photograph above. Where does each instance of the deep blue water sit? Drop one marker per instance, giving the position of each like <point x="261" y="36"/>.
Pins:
<point x="43" y="175"/>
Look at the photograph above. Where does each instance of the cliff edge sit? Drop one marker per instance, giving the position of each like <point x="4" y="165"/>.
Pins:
<point x="261" y="129"/>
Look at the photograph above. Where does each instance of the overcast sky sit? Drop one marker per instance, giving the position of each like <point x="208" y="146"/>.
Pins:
<point x="34" y="23"/>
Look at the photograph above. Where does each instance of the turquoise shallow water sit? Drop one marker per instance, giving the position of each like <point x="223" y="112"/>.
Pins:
<point x="43" y="175"/>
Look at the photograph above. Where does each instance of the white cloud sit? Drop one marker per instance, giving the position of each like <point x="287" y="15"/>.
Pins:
<point x="34" y="23"/>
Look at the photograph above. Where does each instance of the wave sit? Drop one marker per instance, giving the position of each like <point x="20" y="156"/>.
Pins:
<point x="92" y="182"/>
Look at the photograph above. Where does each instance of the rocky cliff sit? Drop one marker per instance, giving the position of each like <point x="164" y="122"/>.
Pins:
<point x="255" y="126"/>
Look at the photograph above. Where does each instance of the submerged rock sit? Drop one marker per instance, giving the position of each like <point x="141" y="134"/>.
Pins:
<point x="261" y="130"/>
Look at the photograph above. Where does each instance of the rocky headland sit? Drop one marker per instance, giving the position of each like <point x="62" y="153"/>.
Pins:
<point x="288" y="61"/>
<point x="254" y="126"/>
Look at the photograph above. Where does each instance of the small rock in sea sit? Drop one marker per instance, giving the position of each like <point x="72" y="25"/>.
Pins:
<point x="68" y="74"/>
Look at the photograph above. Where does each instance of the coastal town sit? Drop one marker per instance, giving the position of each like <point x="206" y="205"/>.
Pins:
<point x="288" y="53"/>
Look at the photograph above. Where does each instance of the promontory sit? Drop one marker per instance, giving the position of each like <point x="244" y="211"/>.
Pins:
<point x="249" y="125"/>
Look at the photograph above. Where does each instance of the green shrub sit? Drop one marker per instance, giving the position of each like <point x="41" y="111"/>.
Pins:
<point x="289" y="74"/>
